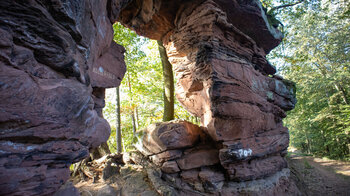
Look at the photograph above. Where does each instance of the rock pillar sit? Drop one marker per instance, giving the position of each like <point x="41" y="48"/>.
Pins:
<point x="218" y="51"/>
<point x="224" y="78"/>
<point x="56" y="58"/>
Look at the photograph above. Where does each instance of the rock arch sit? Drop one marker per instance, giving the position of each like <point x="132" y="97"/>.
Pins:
<point x="57" y="56"/>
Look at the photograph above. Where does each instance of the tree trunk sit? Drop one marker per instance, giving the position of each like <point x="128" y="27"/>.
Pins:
<point x="168" y="87"/>
<point x="132" y="115"/>
<point x="118" y="131"/>
<point x="137" y="118"/>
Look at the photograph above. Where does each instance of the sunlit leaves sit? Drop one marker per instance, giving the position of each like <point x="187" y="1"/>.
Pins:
<point x="315" y="54"/>
<point x="141" y="89"/>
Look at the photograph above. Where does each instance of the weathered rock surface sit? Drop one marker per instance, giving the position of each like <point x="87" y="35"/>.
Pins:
<point x="218" y="50"/>
<point x="198" y="158"/>
<point x="170" y="167"/>
<point x="67" y="190"/>
<point x="171" y="135"/>
<point x="145" y="178"/>
<point x="56" y="58"/>
<point x="208" y="167"/>
<point x="107" y="191"/>
<point x="160" y="158"/>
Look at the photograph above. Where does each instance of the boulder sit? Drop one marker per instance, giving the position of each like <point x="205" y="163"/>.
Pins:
<point x="171" y="135"/>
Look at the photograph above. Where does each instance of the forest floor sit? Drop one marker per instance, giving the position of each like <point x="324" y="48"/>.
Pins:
<point x="320" y="176"/>
<point x="314" y="177"/>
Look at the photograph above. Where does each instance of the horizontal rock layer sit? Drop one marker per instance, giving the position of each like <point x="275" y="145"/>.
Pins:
<point x="209" y="167"/>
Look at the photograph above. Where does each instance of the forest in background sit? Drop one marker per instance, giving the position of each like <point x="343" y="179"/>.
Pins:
<point x="315" y="54"/>
<point x="141" y="91"/>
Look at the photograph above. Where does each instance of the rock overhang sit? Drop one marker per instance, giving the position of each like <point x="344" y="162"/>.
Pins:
<point x="156" y="18"/>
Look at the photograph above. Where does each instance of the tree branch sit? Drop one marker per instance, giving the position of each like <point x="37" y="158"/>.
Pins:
<point x="284" y="6"/>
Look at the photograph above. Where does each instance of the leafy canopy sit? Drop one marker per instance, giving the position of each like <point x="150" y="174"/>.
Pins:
<point x="316" y="55"/>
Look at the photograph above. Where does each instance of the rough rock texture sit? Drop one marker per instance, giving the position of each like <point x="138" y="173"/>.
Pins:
<point x="218" y="49"/>
<point x="107" y="191"/>
<point x="67" y="190"/>
<point x="202" y="168"/>
<point x="166" y="136"/>
<point x="56" y="58"/>
<point x="141" y="177"/>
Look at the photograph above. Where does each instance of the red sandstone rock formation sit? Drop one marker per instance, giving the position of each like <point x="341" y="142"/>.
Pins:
<point x="218" y="49"/>
<point x="56" y="58"/>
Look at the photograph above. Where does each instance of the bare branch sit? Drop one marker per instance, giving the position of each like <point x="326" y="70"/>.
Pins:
<point x="284" y="6"/>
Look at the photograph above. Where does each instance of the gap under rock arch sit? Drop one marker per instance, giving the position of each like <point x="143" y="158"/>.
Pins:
<point x="141" y="90"/>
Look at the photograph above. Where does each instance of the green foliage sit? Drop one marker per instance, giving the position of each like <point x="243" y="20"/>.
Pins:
<point x="316" y="55"/>
<point x="141" y="90"/>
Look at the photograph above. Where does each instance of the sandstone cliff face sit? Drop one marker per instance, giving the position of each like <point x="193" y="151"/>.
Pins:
<point x="56" y="58"/>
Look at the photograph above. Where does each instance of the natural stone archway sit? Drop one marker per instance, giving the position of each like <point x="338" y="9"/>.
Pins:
<point x="218" y="49"/>
<point x="57" y="56"/>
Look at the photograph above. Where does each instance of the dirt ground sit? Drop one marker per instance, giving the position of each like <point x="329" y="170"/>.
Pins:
<point x="314" y="177"/>
<point x="321" y="176"/>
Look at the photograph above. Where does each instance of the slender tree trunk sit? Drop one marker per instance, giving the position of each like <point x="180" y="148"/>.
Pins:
<point x="118" y="131"/>
<point x="325" y="141"/>
<point x="308" y="144"/>
<point x="168" y="88"/>
<point x="136" y="118"/>
<point x="133" y="123"/>
<point x="132" y="115"/>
